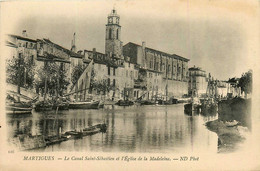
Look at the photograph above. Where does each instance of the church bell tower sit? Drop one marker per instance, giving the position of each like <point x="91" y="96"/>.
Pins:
<point x="113" y="33"/>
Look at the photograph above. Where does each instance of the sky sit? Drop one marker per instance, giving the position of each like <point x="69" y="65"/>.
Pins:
<point x="218" y="37"/>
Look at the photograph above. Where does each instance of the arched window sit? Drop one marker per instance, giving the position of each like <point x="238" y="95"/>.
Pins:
<point x="117" y="34"/>
<point x="110" y="34"/>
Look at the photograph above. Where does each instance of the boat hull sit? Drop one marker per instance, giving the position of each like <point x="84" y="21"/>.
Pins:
<point x="84" y="105"/>
<point x="190" y="108"/>
<point x="125" y="103"/>
<point x="64" y="106"/>
<point x="18" y="109"/>
<point x="42" y="108"/>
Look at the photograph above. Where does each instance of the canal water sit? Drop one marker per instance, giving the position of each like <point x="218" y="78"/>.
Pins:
<point x="142" y="129"/>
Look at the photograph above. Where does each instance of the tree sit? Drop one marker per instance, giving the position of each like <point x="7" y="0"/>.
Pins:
<point x="57" y="82"/>
<point x="23" y="68"/>
<point x="245" y="82"/>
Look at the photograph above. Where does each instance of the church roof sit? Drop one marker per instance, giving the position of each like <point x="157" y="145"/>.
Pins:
<point x="158" y="51"/>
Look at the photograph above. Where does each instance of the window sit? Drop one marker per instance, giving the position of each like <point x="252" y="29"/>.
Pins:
<point x="134" y="93"/>
<point x="114" y="82"/>
<point x="114" y="71"/>
<point x="126" y="73"/>
<point x="26" y="45"/>
<point x="32" y="59"/>
<point x="117" y="34"/>
<point x="163" y="66"/>
<point x="110" y="34"/>
<point x="131" y="74"/>
<point x="108" y="81"/>
<point x="108" y="70"/>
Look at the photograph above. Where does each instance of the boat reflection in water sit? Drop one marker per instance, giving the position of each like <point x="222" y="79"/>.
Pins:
<point x="156" y="128"/>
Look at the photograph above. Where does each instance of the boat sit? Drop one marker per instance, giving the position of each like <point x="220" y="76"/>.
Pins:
<point x="168" y="102"/>
<point x="50" y="140"/>
<point x="18" y="108"/>
<point x="74" y="134"/>
<point x="61" y="104"/>
<point x="147" y="102"/>
<point x="184" y="100"/>
<point x="87" y="131"/>
<point x="193" y="107"/>
<point x="14" y="105"/>
<point x="84" y="105"/>
<point x="43" y="106"/>
<point x="125" y="103"/>
<point x="95" y="129"/>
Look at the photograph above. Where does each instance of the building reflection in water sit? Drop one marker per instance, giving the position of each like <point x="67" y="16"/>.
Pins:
<point x="130" y="129"/>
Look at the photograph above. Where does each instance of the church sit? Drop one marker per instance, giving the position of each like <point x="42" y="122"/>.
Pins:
<point x="134" y="71"/>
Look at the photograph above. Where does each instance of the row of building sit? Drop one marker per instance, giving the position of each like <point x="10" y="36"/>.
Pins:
<point x="129" y="71"/>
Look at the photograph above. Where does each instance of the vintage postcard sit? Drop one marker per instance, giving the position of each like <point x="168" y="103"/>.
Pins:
<point x="129" y="85"/>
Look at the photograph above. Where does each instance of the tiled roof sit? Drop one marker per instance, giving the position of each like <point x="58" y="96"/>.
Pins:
<point x="22" y="38"/>
<point x="164" y="53"/>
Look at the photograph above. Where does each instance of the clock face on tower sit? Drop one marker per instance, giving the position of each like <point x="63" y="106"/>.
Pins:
<point x="117" y="21"/>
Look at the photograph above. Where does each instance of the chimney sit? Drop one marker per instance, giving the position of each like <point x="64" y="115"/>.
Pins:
<point x="94" y="50"/>
<point x="24" y="33"/>
<point x="143" y="45"/>
<point x="73" y="43"/>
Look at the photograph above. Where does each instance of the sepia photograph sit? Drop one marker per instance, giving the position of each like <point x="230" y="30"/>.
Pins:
<point x="172" y="82"/>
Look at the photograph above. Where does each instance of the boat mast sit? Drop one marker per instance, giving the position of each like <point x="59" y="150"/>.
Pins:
<point x="19" y="75"/>
<point x="166" y="93"/>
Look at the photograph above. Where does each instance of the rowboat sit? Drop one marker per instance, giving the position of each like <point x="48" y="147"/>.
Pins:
<point x="84" y="105"/>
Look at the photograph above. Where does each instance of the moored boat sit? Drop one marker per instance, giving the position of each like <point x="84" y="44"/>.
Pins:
<point x="43" y="106"/>
<point x="61" y="106"/>
<point x="125" y="103"/>
<point x="18" y="108"/>
<point x="84" y="105"/>
<point x="147" y="102"/>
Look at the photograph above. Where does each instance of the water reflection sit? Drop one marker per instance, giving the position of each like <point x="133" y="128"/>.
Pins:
<point x="130" y="129"/>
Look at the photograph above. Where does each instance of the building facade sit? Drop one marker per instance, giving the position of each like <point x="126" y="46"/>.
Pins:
<point x="170" y="69"/>
<point x="123" y="72"/>
<point x="197" y="82"/>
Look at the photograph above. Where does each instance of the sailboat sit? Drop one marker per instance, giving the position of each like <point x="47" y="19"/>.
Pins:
<point x="14" y="106"/>
<point x="84" y="101"/>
